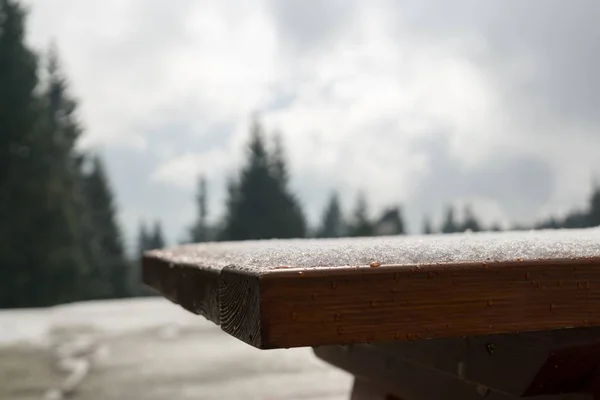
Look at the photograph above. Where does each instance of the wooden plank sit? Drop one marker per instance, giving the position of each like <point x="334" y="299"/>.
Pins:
<point x="524" y="364"/>
<point x="290" y="293"/>
<point x="194" y="288"/>
<point x="407" y="380"/>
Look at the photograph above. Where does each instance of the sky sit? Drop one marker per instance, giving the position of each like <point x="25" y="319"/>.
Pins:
<point x="417" y="103"/>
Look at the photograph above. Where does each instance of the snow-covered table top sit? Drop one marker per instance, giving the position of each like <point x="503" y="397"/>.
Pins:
<point x="290" y="293"/>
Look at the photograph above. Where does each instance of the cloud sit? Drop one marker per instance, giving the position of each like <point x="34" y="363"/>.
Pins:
<point x="419" y="103"/>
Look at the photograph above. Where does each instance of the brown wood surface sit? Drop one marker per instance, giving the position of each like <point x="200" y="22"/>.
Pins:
<point x="277" y="294"/>
<point x="524" y="364"/>
<point x="364" y="389"/>
<point x="380" y="374"/>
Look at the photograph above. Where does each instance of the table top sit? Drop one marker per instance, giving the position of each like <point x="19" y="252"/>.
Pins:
<point x="310" y="292"/>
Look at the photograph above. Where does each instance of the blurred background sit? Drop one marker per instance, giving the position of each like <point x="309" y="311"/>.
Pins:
<point x="128" y="125"/>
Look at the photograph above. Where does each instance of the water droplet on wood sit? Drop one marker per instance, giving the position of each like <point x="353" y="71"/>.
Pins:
<point x="490" y="303"/>
<point x="294" y="316"/>
<point x="333" y="284"/>
<point x="373" y="303"/>
<point x="336" y="317"/>
<point x="375" y="264"/>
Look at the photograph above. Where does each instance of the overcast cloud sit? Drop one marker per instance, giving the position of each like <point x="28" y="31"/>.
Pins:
<point x="416" y="102"/>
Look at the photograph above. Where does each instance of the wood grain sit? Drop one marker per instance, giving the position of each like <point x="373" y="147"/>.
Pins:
<point x="193" y="288"/>
<point x="340" y="292"/>
<point x="410" y="303"/>
<point x="239" y="297"/>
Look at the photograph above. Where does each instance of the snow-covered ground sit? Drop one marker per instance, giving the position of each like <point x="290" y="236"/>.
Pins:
<point x="148" y="349"/>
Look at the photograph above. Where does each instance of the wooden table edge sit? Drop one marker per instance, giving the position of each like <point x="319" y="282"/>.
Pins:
<point x="296" y="307"/>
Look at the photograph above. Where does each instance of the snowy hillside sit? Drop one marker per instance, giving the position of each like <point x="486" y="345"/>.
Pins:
<point x="148" y="349"/>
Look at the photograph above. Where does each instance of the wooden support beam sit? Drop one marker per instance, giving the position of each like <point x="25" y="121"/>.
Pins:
<point x="544" y="365"/>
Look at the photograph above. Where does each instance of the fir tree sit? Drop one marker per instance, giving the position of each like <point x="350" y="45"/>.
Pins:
<point x="144" y="243"/>
<point x="20" y="177"/>
<point x="470" y="222"/>
<point x="576" y="219"/>
<point x="289" y="221"/>
<point x="110" y="264"/>
<point x="156" y="239"/>
<point x="427" y="228"/>
<point x="594" y="208"/>
<point x="61" y="131"/>
<point x="260" y="204"/>
<point x="449" y="225"/>
<point x="199" y="231"/>
<point x="360" y="224"/>
<point x="332" y="224"/>
<point x="41" y="257"/>
<point x="143" y="239"/>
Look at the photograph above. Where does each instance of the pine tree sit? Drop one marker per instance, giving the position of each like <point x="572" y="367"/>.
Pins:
<point x="594" y="208"/>
<point x="61" y="131"/>
<point x="289" y="220"/>
<point x="449" y="225"/>
<point x="144" y="243"/>
<point x="143" y="240"/>
<point x="156" y="239"/>
<point x="576" y="219"/>
<point x="332" y="224"/>
<point x="260" y="204"/>
<point x="199" y="231"/>
<point x="470" y="222"/>
<point x="361" y="225"/>
<point x="110" y="264"/>
<point x="41" y="256"/>
<point x="427" y="228"/>
<point x="19" y="174"/>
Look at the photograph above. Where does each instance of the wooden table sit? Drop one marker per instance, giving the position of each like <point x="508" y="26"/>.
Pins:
<point x="462" y="316"/>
